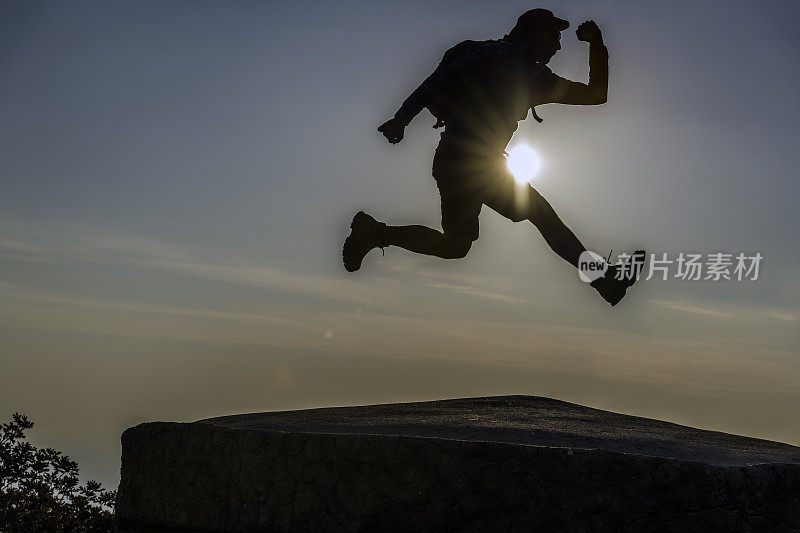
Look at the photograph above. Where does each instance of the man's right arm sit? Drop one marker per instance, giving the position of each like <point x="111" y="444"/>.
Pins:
<point x="417" y="101"/>
<point x="447" y="78"/>
<point x="393" y="129"/>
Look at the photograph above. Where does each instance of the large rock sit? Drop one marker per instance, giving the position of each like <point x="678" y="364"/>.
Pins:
<point x="511" y="463"/>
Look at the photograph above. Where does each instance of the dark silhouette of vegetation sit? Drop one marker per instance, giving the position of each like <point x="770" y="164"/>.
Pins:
<point x="40" y="491"/>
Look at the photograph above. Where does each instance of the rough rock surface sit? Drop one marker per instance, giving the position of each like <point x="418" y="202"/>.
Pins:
<point x="509" y="463"/>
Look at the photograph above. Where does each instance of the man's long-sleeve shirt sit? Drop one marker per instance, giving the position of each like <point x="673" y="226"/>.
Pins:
<point x="492" y="87"/>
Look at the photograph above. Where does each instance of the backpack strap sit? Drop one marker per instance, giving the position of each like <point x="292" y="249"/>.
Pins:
<point x="538" y="119"/>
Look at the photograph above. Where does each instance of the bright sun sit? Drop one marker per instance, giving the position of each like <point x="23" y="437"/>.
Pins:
<point x="523" y="163"/>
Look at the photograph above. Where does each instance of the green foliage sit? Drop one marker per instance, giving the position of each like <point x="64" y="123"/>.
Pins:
<point x="39" y="488"/>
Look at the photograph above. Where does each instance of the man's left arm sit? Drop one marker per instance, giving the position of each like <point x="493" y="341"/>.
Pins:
<point x="558" y="90"/>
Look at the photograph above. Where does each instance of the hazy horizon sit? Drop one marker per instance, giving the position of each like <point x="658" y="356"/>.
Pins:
<point x="178" y="179"/>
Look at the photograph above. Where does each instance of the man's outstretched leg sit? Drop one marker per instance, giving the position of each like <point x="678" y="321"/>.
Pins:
<point x="558" y="236"/>
<point x="530" y="205"/>
<point x="367" y="233"/>
<point x="561" y="239"/>
<point x="519" y="203"/>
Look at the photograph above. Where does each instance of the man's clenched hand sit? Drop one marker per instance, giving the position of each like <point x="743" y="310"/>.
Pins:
<point x="393" y="130"/>
<point x="589" y="32"/>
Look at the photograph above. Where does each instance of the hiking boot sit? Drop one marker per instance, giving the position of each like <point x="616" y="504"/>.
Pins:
<point x="366" y="233"/>
<point x="612" y="289"/>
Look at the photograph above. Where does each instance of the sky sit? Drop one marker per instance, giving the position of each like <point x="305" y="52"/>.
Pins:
<point x="177" y="179"/>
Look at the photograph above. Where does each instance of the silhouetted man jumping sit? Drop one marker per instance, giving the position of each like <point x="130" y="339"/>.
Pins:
<point x="479" y="93"/>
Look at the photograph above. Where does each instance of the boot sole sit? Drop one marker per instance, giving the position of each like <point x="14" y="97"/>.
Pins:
<point x="358" y="219"/>
<point x="615" y="300"/>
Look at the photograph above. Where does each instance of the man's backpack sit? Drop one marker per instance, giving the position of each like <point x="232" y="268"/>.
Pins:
<point x="444" y="95"/>
<point x="441" y="98"/>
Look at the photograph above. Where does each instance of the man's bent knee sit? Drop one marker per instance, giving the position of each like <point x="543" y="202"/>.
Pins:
<point x="457" y="248"/>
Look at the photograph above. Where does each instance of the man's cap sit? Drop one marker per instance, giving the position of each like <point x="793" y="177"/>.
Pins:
<point x="539" y="17"/>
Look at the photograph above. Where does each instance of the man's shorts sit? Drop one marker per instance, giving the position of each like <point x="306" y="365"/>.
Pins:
<point x="467" y="182"/>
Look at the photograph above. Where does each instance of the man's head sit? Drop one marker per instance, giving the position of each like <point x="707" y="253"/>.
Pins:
<point x="539" y="31"/>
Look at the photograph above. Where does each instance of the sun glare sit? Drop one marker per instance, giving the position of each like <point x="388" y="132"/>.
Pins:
<point x="524" y="163"/>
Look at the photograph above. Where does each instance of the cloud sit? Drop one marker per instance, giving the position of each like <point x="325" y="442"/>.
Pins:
<point x="492" y="287"/>
<point x="17" y="249"/>
<point x="158" y="255"/>
<point x="21" y="293"/>
<point x="155" y="254"/>
<point x="780" y="315"/>
<point x="744" y="312"/>
<point x="475" y="291"/>
<point x="690" y="308"/>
